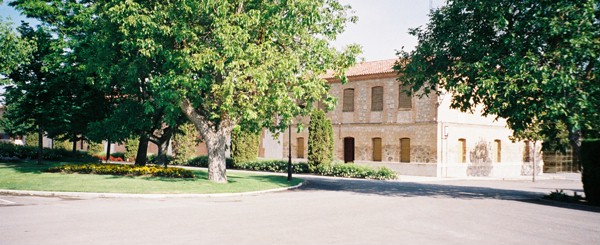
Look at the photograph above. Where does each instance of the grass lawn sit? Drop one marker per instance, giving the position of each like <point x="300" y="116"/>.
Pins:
<point x="30" y="176"/>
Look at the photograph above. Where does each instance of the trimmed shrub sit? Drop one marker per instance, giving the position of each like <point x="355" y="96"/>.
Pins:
<point x="320" y="140"/>
<point x="347" y="170"/>
<point x="124" y="170"/>
<point x="11" y="152"/>
<point x="244" y="145"/>
<point x="278" y="166"/>
<point x="131" y="148"/>
<point x="590" y="176"/>
<point x="202" y="161"/>
<point x="184" y="144"/>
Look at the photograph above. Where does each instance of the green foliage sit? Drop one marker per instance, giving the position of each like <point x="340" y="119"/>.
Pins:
<point x="280" y="166"/>
<point x="31" y="139"/>
<point x="18" y="152"/>
<point x="121" y="169"/>
<point x="244" y="145"/>
<point x="13" y="49"/>
<point x="590" y="176"/>
<point x="535" y="63"/>
<point x="63" y="144"/>
<point x="222" y="63"/>
<point x="184" y="143"/>
<point x="202" y="161"/>
<point x="320" y="140"/>
<point x="350" y="170"/>
<point x="95" y="148"/>
<point x="131" y="147"/>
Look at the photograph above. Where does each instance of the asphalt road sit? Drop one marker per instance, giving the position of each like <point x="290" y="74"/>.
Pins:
<point x="324" y="211"/>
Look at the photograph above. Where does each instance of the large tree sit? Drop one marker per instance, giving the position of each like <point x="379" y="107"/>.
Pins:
<point x="534" y="62"/>
<point x="221" y="63"/>
<point x="29" y="97"/>
<point x="225" y="63"/>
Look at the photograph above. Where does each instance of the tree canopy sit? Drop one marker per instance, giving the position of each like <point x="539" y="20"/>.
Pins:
<point x="534" y="62"/>
<point x="225" y="63"/>
<point x="222" y="63"/>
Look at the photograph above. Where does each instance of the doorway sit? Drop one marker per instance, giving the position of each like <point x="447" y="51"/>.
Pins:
<point x="348" y="149"/>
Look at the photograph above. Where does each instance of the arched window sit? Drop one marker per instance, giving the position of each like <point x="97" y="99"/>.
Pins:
<point x="377" y="98"/>
<point x="405" y="150"/>
<point x="348" y="103"/>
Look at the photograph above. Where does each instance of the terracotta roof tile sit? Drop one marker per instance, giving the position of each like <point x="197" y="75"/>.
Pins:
<point x="368" y="68"/>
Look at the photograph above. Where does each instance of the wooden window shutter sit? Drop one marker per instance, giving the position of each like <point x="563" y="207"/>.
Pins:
<point x="404" y="100"/>
<point x="300" y="147"/>
<point x="348" y="100"/>
<point x="377" y="98"/>
<point x="498" y="150"/>
<point x="405" y="150"/>
<point x="462" y="150"/>
<point x="377" y="149"/>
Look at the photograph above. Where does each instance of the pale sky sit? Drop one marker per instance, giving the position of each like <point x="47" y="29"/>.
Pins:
<point x="382" y="26"/>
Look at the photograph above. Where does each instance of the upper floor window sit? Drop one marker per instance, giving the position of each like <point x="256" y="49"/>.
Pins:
<point x="348" y="100"/>
<point x="377" y="98"/>
<point x="404" y="100"/>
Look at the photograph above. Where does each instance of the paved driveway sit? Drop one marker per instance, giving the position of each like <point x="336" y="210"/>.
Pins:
<point x="325" y="210"/>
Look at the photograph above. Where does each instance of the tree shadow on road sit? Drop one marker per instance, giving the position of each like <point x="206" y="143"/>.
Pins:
<point x="410" y="189"/>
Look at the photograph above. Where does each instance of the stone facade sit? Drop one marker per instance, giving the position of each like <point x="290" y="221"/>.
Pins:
<point x="441" y="141"/>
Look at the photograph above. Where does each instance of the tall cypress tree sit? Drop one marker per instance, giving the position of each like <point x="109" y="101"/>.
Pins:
<point x="320" y="140"/>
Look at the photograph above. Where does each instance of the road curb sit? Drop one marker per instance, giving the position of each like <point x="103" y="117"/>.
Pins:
<point x="148" y="196"/>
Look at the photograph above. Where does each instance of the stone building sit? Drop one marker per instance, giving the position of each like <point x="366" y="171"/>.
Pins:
<point x="376" y="124"/>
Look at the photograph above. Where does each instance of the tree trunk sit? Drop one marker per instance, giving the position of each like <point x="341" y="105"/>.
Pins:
<point x="215" y="137"/>
<point x="40" y="145"/>
<point x="107" y="150"/>
<point x="142" y="152"/>
<point x="575" y="142"/>
<point x="74" y="150"/>
<point x="216" y="143"/>
<point x="163" y="145"/>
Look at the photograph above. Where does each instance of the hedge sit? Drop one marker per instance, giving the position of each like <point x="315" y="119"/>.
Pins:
<point x="244" y="145"/>
<point x="590" y="161"/>
<point x="347" y="170"/>
<point x="10" y="151"/>
<point x="125" y="170"/>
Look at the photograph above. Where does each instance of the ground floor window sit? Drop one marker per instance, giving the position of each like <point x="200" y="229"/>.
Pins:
<point x="462" y="150"/>
<point x="405" y="150"/>
<point x="498" y="150"/>
<point x="377" y="149"/>
<point x="300" y="147"/>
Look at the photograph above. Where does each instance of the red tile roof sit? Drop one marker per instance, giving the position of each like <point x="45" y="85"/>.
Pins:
<point x="368" y="68"/>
